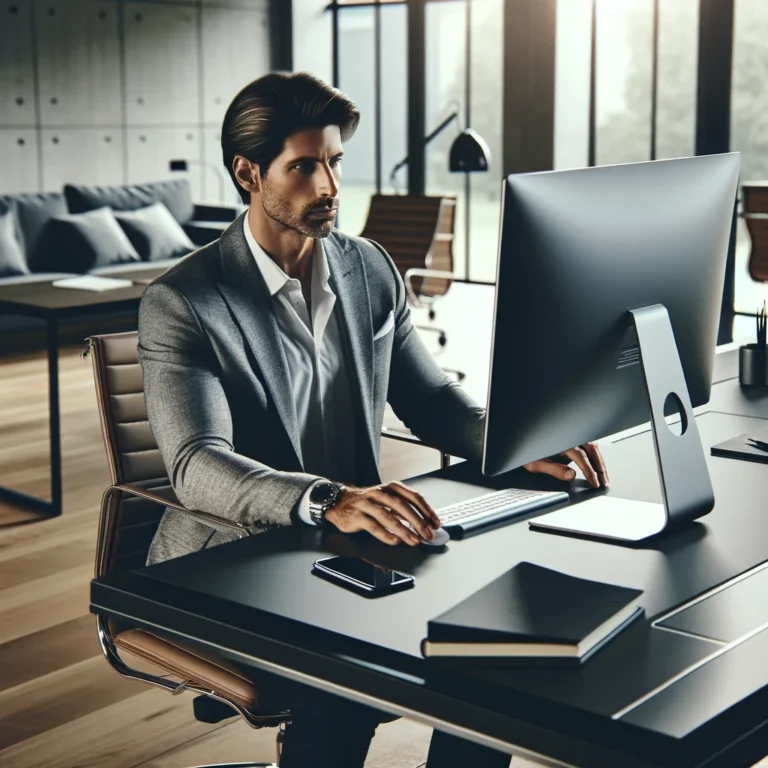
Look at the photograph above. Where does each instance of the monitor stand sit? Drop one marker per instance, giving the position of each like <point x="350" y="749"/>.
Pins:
<point x="685" y="485"/>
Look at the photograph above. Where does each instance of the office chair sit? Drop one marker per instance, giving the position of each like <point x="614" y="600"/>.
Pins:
<point x="417" y="232"/>
<point x="130" y="513"/>
<point x="754" y="197"/>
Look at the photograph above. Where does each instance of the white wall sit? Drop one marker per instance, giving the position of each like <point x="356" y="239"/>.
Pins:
<point x="108" y="91"/>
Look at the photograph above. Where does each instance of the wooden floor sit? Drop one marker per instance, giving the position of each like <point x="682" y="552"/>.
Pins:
<point x="61" y="705"/>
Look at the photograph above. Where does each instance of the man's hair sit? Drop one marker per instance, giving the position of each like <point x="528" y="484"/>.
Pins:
<point x="268" y="110"/>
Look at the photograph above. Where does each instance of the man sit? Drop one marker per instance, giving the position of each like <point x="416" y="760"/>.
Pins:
<point x="268" y="357"/>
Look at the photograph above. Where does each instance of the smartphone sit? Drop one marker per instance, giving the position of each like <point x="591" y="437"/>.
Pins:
<point x="360" y="576"/>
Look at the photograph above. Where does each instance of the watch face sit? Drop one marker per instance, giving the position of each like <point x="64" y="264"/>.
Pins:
<point x="323" y="493"/>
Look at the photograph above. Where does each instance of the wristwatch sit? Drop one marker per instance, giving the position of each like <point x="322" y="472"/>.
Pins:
<point x="323" y="496"/>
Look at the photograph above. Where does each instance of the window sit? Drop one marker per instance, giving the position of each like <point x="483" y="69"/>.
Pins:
<point x="749" y="127"/>
<point x="446" y="69"/>
<point x="485" y="190"/>
<point x="446" y="31"/>
<point x="623" y="80"/>
<point x="357" y="78"/>
<point x="678" y="64"/>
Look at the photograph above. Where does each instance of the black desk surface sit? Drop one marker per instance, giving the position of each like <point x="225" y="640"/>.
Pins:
<point x="642" y="701"/>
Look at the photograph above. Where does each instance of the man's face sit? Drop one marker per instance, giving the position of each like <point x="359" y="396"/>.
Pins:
<point x="301" y="187"/>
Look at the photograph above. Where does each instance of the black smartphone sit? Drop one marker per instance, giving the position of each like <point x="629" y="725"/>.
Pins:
<point x="360" y="576"/>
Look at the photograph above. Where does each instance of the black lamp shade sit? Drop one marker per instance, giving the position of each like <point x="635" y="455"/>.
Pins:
<point x="469" y="153"/>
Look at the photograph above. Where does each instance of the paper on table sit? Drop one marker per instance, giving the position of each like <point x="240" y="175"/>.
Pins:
<point x="92" y="283"/>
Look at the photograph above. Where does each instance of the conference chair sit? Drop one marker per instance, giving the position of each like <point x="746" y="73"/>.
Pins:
<point x="754" y="197"/>
<point x="417" y="232"/>
<point x="130" y="513"/>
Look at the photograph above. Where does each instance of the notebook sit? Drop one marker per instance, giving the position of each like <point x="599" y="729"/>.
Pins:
<point x="739" y="448"/>
<point x="533" y="614"/>
<point x="92" y="283"/>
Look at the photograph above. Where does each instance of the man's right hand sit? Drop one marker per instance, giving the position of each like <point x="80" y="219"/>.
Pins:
<point x="381" y="510"/>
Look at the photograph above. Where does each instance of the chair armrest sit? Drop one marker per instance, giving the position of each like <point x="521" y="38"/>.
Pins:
<point x="206" y="517"/>
<point x="204" y="232"/>
<point x="214" y="212"/>
<point x="418" y="272"/>
<point x="408" y="437"/>
<point x="402" y="436"/>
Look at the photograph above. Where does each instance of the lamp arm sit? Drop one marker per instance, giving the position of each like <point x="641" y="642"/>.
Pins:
<point x="440" y="128"/>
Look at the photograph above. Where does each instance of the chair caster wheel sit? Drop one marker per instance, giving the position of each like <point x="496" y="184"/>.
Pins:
<point x="431" y="314"/>
<point x="441" y="340"/>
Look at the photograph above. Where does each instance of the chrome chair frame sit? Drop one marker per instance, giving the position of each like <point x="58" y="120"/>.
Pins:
<point x="112" y="655"/>
<point x="419" y="301"/>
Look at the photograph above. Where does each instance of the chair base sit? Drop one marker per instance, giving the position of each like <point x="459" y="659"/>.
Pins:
<point x="237" y="765"/>
<point x="442" y="339"/>
<point x="460" y="375"/>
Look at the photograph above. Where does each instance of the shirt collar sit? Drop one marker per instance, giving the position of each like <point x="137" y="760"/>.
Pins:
<point x="273" y="275"/>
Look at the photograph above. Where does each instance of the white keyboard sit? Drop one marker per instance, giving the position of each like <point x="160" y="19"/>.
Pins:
<point x="495" y="507"/>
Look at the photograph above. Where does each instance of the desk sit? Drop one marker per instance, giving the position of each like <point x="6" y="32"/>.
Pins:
<point x="45" y="301"/>
<point x="653" y="697"/>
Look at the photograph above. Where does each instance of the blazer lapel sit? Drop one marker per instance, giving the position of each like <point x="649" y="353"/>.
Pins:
<point x="246" y="294"/>
<point x="351" y="288"/>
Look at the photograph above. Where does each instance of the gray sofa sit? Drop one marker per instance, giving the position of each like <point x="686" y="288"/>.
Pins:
<point x="33" y="211"/>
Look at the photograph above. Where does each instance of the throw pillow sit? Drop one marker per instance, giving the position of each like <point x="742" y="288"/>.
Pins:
<point x="79" y="242"/>
<point x="154" y="233"/>
<point x="33" y="212"/>
<point x="174" y="193"/>
<point x="12" y="261"/>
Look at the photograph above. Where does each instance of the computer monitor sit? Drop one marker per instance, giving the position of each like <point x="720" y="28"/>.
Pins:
<point x="609" y="288"/>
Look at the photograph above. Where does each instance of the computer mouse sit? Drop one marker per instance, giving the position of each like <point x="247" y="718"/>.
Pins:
<point x="439" y="539"/>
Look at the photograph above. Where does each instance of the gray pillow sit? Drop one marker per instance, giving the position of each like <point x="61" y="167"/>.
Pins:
<point x="175" y="193"/>
<point x="154" y="232"/>
<point x="12" y="261"/>
<point x="33" y="211"/>
<point x="79" y="242"/>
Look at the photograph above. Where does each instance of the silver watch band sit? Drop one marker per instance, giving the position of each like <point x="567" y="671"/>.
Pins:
<point x="317" y="511"/>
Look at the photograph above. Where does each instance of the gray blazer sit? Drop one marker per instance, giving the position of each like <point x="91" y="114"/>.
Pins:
<point x="218" y="395"/>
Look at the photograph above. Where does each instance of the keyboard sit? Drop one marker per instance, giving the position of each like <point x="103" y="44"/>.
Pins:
<point x="495" y="507"/>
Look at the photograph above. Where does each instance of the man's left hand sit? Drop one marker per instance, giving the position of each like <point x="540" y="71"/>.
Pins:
<point x="587" y="458"/>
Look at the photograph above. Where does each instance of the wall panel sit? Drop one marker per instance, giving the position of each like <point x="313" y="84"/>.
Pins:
<point x="109" y="91"/>
<point x="150" y="150"/>
<point x="17" y="82"/>
<point x="81" y="156"/>
<point x="161" y="64"/>
<point x="18" y="160"/>
<point x="235" y="50"/>
<point x="79" y="62"/>
<point x="245" y="5"/>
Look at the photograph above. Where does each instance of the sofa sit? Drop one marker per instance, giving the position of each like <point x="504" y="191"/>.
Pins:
<point x="33" y="218"/>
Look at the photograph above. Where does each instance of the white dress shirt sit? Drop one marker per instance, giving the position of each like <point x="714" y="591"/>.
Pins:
<point x="317" y="367"/>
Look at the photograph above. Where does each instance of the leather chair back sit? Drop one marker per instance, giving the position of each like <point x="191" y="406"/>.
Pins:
<point x="417" y="232"/>
<point x="132" y="452"/>
<point x="755" y="201"/>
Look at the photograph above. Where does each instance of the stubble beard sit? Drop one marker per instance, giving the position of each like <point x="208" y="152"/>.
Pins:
<point x="279" y="209"/>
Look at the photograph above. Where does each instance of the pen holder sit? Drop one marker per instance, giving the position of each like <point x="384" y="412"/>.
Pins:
<point x="753" y="365"/>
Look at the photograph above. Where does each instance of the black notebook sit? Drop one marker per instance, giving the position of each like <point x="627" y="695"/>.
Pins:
<point x="533" y="614"/>
<point x="739" y="448"/>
